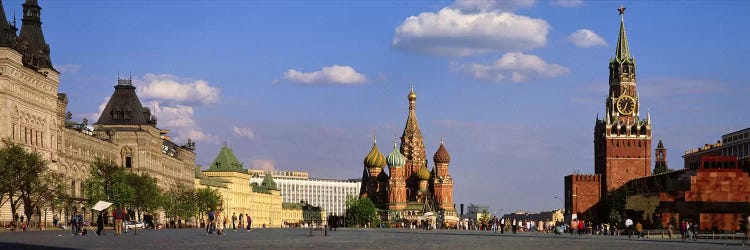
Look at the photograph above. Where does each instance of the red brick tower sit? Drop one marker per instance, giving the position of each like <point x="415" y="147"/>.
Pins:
<point x="622" y="139"/>
<point x="412" y="147"/>
<point x="397" y="182"/>
<point x="442" y="181"/>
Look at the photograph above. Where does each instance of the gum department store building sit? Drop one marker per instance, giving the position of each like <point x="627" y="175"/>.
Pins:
<point x="33" y="114"/>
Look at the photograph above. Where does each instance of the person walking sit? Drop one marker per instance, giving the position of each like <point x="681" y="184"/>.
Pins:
<point x="502" y="225"/>
<point x="241" y="222"/>
<point x="694" y="226"/>
<point x="100" y="223"/>
<point x="629" y="227"/>
<point x="211" y="222"/>
<point x="574" y="227"/>
<point x="234" y="221"/>
<point x="683" y="229"/>
<point x="581" y="227"/>
<point x="119" y="215"/>
<point x="514" y="225"/>
<point x="639" y="229"/>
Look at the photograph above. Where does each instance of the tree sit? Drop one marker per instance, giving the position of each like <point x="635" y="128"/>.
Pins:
<point x="27" y="179"/>
<point x="108" y="182"/>
<point x="146" y="196"/>
<point x="206" y="200"/>
<point x="180" y="201"/>
<point x="360" y="211"/>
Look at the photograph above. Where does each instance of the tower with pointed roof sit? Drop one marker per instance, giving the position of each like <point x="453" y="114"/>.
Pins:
<point x="622" y="138"/>
<point x="397" y="182"/>
<point x="410" y="191"/>
<point x="377" y="179"/>
<point x="31" y="43"/>
<point x="661" y="159"/>
<point x="442" y="181"/>
<point x="412" y="147"/>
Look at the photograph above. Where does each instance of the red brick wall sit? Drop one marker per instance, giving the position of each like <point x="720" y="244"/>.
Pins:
<point x="720" y="221"/>
<point x="581" y="192"/>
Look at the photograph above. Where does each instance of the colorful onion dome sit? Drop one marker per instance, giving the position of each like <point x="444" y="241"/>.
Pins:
<point x="423" y="173"/>
<point x="395" y="158"/>
<point x="441" y="156"/>
<point x="374" y="159"/>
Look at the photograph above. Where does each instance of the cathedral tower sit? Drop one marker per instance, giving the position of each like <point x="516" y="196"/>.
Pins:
<point x="374" y="163"/>
<point x="442" y="181"/>
<point x="397" y="182"/>
<point x="31" y="44"/>
<point x="412" y="147"/>
<point x="622" y="139"/>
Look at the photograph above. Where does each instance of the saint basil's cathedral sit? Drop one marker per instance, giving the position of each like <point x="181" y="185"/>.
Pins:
<point x="409" y="191"/>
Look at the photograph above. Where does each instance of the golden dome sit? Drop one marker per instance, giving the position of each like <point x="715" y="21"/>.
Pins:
<point x="412" y="96"/>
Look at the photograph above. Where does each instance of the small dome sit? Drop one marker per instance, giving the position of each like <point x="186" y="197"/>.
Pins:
<point x="412" y="96"/>
<point x="395" y="158"/>
<point x="374" y="159"/>
<point x="441" y="156"/>
<point x="423" y="173"/>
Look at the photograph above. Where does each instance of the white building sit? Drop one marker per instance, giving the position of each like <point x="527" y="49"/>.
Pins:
<point x="329" y="194"/>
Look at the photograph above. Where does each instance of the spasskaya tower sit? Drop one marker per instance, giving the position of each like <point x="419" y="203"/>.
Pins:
<point x="622" y="139"/>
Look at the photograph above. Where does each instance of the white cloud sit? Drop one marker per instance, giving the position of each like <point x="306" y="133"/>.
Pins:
<point x="585" y="38"/>
<point x="568" y="3"/>
<point x="263" y="164"/>
<point x="173" y="89"/>
<point x="68" y="68"/>
<point x="93" y="117"/>
<point x="180" y="120"/>
<point x="335" y="74"/>
<point x="452" y="32"/>
<point x="243" y="132"/>
<point x="492" y="5"/>
<point x="519" y="66"/>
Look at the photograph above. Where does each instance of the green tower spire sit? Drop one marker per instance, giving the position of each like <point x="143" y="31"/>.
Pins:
<point x="622" y="52"/>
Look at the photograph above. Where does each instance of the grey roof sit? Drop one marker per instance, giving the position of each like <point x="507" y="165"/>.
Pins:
<point x="124" y="108"/>
<point x="7" y="31"/>
<point x="31" y="44"/>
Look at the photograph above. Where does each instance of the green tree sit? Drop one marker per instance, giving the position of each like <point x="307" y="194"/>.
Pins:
<point x="206" y="200"/>
<point x="361" y="211"/>
<point x="108" y="182"/>
<point x="180" y="201"/>
<point x="29" y="182"/>
<point x="146" y="196"/>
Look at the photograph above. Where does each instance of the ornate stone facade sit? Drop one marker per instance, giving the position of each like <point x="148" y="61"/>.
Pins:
<point x="33" y="114"/>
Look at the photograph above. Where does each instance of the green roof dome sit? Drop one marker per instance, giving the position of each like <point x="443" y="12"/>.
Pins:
<point x="423" y="173"/>
<point x="374" y="159"/>
<point x="395" y="158"/>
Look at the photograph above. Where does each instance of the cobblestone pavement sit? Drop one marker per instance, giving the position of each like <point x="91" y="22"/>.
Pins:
<point x="341" y="239"/>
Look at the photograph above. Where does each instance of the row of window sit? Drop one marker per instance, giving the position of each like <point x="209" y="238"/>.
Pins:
<point x="29" y="136"/>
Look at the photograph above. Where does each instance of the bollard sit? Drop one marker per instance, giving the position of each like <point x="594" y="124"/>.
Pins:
<point x="311" y="231"/>
<point x="326" y="231"/>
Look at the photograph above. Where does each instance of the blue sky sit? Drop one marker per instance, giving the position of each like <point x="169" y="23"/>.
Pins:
<point x="303" y="85"/>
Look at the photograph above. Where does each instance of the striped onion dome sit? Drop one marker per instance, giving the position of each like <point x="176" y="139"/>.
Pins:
<point x="442" y="156"/>
<point x="423" y="173"/>
<point x="395" y="158"/>
<point x="374" y="159"/>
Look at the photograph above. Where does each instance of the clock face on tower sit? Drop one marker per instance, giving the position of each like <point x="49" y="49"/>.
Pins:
<point x="625" y="105"/>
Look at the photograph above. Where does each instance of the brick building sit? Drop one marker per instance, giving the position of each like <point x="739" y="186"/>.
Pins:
<point x="714" y="194"/>
<point x="582" y="192"/>
<point x="622" y="138"/>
